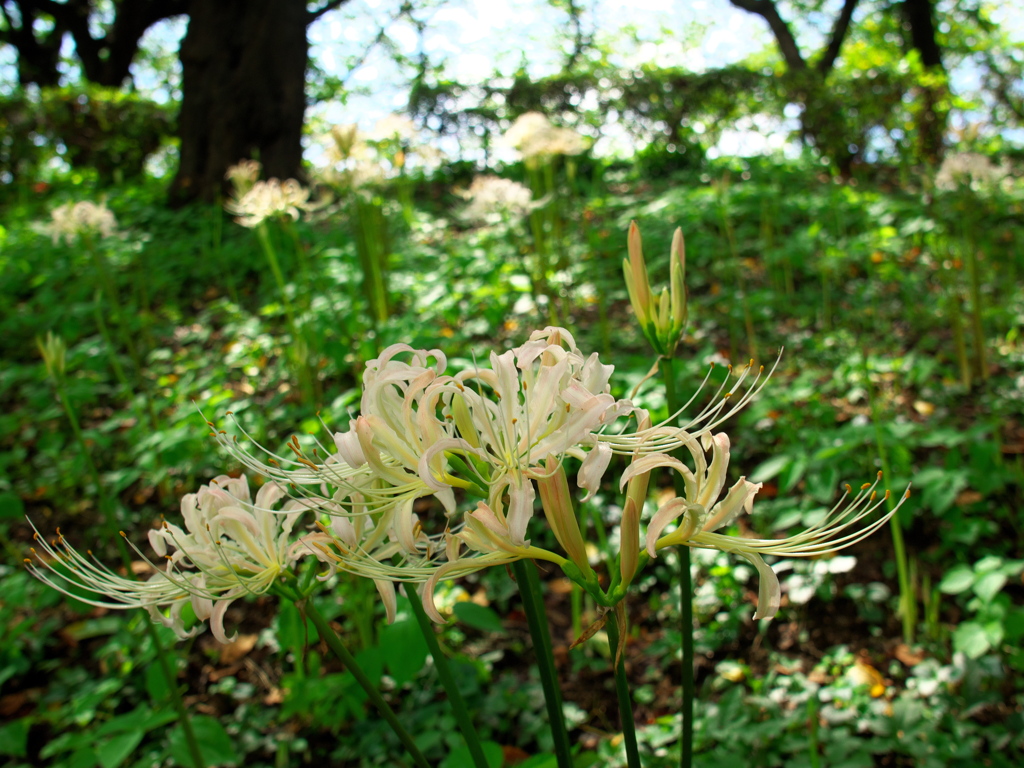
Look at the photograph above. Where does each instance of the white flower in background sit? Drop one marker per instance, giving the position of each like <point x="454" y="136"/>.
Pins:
<point x="74" y="220"/>
<point x="268" y="200"/>
<point x="700" y="513"/>
<point x="493" y="199"/>
<point x="393" y="128"/>
<point x="243" y="175"/>
<point x="230" y="546"/>
<point x="971" y="170"/>
<point x="534" y="135"/>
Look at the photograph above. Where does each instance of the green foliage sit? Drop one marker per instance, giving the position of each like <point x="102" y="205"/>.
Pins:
<point x="872" y="365"/>
<point x="87" y="126"/>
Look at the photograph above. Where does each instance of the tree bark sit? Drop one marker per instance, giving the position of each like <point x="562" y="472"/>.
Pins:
<point x="107" y="60"/>
<point x="823" y="122"/>
<point x="38" y="53"/>
<point x="921" y="18"/>
<point x="933" y="111"/>
<point x="243" y="85"/>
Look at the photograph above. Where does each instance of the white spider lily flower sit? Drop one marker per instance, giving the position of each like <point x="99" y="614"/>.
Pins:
<point x="700" y="516"/>
<point x="376" y="463"/>
<point x="84" y="219"/>
<point x="268" y="199"/>
<point x="534" y="136"/>
<point x="230" y="546"/>
<point x="539" y="400"/>
<point x="489" y="542"/>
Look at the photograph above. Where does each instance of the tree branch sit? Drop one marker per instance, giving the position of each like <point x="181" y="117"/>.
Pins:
<point x="106" y="60"/>
<point x="783" y="35"/>
<point x="839" y="30"/>
<point x="329" y="6"/>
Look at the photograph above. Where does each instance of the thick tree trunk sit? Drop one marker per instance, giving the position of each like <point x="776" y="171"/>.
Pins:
<point x="243" y="85"/>
<point x="933" y="110"/>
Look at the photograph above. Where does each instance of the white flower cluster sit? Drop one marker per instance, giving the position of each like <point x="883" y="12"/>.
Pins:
<point x="534" y="136"/>
<point x="230" y="546"/>
<point x="970" y="170"/>
<point x="72" y="221"/>
<point x="393" y="494"/>
<point x="493" y="199"/>
<point x="269" y="200"/>
<point x="243" y="175"/>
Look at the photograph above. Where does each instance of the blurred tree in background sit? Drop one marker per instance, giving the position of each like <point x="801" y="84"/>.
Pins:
<point x="243" y="90"/>
<point x="862" y="80"/>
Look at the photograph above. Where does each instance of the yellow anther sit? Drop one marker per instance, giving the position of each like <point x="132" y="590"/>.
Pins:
<point x="865" y="486"/>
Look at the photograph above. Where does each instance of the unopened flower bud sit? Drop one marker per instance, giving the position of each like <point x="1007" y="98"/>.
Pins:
<point x="557" y="504"/>
<point x="54" y="351"/>
<point x="662" y="318"/>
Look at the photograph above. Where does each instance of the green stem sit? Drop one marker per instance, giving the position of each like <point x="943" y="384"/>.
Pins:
<point x="108" y="518"/>
<point x="622" y="691"/>
<point x="462" y="716"/>
<point x="533" y="605"/>
<point x="300" y="349"/>
<point x="908" y="606"/>
<point x="668" y="375"/>
<point x="330" y="637"/>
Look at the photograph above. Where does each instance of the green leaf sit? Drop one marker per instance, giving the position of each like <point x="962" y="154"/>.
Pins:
<point x="989" y="585"/>
<point x="1014" y="625"/>
<point x="792" y="474"/>
<point x="958" y="579"/>
<point x="404" y="650"/>
<point x="539" y="761"/>
<point x="116" y="750"/>
<point x="11" y="506"/>
<point x="142" y="718"/>
<point x="156" y="683"/>
<point x="769" y="469"/>
<point x="292" y="632"/>
<point x="478" y="616"/>
<point x="461" y="758"/>
<point x="214" y="744"/>
<point x="971" y="639"/>
<point x="14" y="737"/>
<point x="988" y="563"/>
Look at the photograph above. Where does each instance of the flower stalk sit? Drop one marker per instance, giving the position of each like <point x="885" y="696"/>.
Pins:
<point x="458" y="704"/>
<point x="668" y="376"/>
<point x="533" y="605"/>
<point x="615" y="643"/>
<point x="334" y="642"/>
